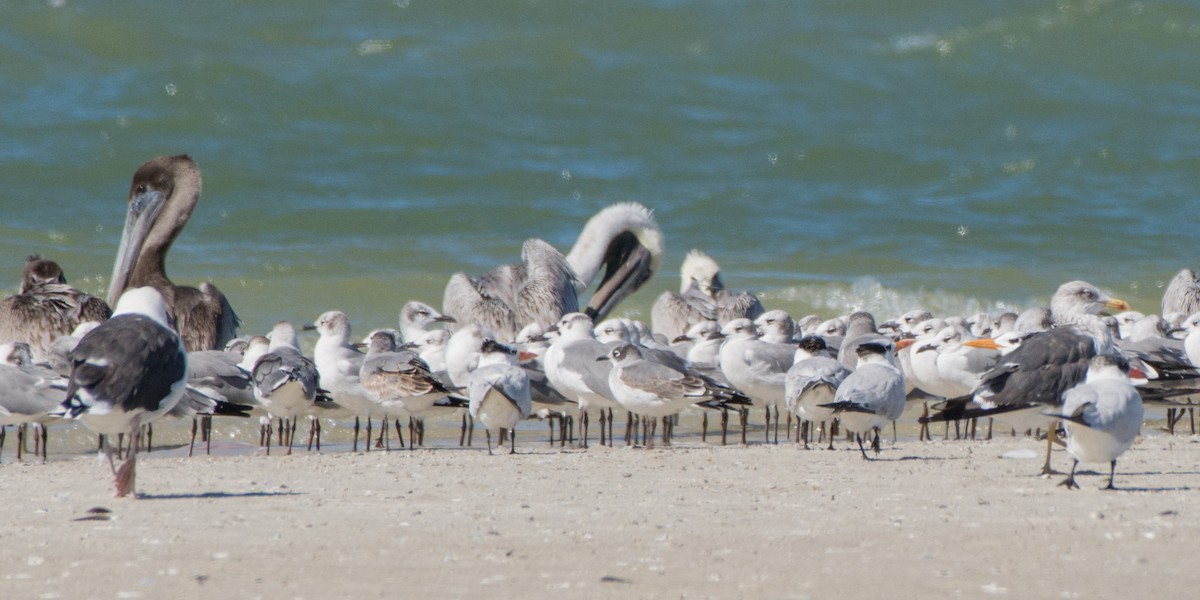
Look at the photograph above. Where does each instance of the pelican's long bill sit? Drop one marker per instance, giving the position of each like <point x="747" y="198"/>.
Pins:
<point x="144" y="207"/>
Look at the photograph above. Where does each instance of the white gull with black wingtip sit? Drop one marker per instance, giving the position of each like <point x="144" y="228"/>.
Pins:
<point x="873" y="394"/>
<point x="286" y="382"/>
<point x="127" y="372"/>
<point x="499" y="392"/>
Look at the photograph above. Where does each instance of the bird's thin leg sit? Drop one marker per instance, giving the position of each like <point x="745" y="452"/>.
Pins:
<point x="20" y="440"/>
<point x="207" y="423"/>
<point x="354" y="448"/>
<point x="858" y="438"/>
<point x="724" y="424"/>
<point x="1069" y="482"/>
<point x="875" y="444"/>
<point x="805" y="430"/>
<point x="704" y="426"/>
<point x="125" y="475"/>
<point x="45" y="454"/>
<point x="3" y="434"/>
<point x="192" y="443"/>
<point x="602" y="418"/>
<point x="512" y="441"/>
<point x="989" y="435"/>
<point x="291" y="435"/>
<point x="489" y="440"/>
<point x="1112" y="472"/>
<point x="743" y="412"/>
<point x="833" y="426"/>
<point x="1046" y="470"/>
<point x="470" y="430"/>
<point x="462" y="433"/>
<point x="767" y="426"/>
<point x="107" y="450"/>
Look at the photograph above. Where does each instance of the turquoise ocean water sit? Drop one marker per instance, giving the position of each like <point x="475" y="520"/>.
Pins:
<point x="831" y="155"/>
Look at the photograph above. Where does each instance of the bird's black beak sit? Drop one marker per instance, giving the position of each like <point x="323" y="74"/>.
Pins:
<point x="627" y="265"/>
<point x="309" y="327"/>
<point x="445" y="319"/>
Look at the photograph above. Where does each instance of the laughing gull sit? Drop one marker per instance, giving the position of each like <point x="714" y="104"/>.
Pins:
<point x="706" y="339"/>
<point x="776" y="327"/>
<point x="216" y="374"/>
<point x="548" y="403"/>
<point x="499" y="392"/>
<point x="46" y="308"/>
<point x="162" y="196"/>
<point x="417" y="318"/>
<point x="286" y="383"/>
<point x="31" y="394"/>
<point x="126" y="373"/>
<point x="872" y="395"/>
<point x="1032" y="379"/>
<point x="756" y="368"/>
<point x="702" y="297"/>
<point x="572" y="369"/>
<point x="654" y="390"/>
<point x="623" y="240"/>
<point x="339" y="364"/>
<point x="1103" y="415"/>
<point x="811" y="382"/>
<point x="906" y="322"/>
<point x="860" y="328"/>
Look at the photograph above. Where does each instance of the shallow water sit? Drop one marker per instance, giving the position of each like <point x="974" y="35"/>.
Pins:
<point x="831" y="156"/>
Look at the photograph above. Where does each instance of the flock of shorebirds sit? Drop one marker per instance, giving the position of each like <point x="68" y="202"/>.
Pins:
<point x="516" y="343"/>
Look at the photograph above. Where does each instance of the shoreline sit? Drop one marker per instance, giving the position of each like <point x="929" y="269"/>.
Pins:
<point x="692" y="520"/>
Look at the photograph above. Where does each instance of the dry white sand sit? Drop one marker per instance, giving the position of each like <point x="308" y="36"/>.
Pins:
<point x="933" y="519"/>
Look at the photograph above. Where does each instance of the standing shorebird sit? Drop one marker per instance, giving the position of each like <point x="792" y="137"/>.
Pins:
<point x="126" y="373"/>
<point x="872" y="395"/>
<point x="1103" y="415"/>
<point x="499" y="392"/>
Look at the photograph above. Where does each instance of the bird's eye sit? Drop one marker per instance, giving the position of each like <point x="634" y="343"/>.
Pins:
<point x="142" y="188"/>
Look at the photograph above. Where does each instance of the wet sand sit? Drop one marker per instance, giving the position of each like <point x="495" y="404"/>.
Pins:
<point x="938" y="519"/>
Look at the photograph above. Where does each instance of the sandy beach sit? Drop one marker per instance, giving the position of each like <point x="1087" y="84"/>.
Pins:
<point x="941" y="519"/>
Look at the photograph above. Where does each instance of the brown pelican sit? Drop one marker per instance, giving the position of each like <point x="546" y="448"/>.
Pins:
<point x="161" y="198"/>
<point x="1182" y="294"/>
<point x="702" y="297"/>
<point x="623" y="240"/>
<point x="45" y="308"/>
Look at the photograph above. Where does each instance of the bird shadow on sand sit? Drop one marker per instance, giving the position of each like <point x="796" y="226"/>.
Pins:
<point x="215" y="495"/>
<point x="1121" y="488"/>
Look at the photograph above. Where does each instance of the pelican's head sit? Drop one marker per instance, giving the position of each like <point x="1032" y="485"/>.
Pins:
<point x="161" y="198"/>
